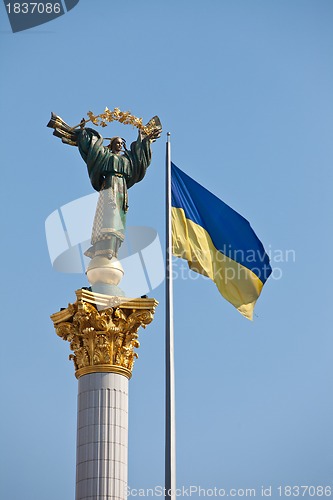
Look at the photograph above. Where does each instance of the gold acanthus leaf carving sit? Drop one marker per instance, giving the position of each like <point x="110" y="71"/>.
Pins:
<point x="65" y="330"/>
<point x="107" y="337"/>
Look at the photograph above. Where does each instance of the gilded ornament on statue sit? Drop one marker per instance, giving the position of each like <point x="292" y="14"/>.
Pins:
<point x="103" y="340"/>
<point x="124" y="117"/>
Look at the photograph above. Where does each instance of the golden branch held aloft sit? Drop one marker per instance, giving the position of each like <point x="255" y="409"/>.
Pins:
<point x="124" y="117"/>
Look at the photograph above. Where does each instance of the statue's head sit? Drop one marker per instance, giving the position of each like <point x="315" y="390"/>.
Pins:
<point x="116" y="144"/>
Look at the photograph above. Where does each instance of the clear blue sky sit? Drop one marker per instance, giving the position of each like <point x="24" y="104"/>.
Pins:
<point x="245" y="88"/>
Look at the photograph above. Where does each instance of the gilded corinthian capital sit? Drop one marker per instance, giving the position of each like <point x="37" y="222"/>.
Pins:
<point x="102" y="331"/>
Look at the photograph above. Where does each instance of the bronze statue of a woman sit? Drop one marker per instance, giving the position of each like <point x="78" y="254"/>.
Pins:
<point x="112" y="170"/>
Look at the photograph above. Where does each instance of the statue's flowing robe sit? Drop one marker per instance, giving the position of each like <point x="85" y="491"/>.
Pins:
<point x="111" y="175"/>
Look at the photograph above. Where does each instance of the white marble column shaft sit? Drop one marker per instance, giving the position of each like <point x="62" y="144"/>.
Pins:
<point x="102" y="437"/>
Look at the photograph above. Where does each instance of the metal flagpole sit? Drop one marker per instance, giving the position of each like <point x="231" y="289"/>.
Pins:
<point x="170" y="421"/>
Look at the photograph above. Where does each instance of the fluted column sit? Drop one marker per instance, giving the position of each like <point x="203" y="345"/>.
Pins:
<point x="102" y="331"/>
<point x="102" y="434"/>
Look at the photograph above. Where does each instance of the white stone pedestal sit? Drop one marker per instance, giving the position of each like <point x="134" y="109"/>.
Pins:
<point x="102" y="437"/>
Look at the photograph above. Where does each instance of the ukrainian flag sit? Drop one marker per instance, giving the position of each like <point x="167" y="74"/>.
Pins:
<point x="217" y="242"/>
